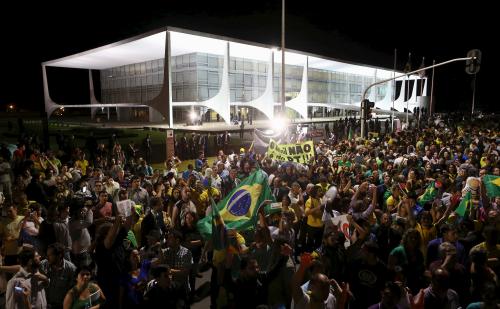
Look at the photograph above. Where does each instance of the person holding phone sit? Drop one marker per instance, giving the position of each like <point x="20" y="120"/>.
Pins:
<point x="27" y="288"/>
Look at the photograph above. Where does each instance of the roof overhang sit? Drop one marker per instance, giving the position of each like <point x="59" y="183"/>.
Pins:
<point x="151" y="46"/>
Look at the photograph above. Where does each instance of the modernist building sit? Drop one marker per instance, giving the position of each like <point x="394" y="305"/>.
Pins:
<point x="164" y="75"/>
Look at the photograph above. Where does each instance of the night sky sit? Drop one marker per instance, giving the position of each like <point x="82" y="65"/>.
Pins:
<point x="49" y="31"/>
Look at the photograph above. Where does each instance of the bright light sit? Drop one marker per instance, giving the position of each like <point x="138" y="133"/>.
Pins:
<point x="192" y="116"/>
<point x="239" y="50"/>
<point x="121" y="53"/>
<point x="279" y="124"/>
<point x="11" y="106"/>
<point x="184" y="43"/>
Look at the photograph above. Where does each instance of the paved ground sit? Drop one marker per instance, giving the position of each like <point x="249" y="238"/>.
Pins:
<point x="205" y="302"/>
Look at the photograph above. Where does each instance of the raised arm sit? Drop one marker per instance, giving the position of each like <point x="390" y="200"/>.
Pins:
<point x="298" y="278"/>
<point x="113" y="232"/>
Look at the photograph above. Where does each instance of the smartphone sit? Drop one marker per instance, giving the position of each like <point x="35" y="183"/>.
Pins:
<point x="18" y="289"/>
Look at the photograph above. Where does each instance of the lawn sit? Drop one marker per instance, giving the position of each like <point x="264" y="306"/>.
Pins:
<point x="33" y="126"/>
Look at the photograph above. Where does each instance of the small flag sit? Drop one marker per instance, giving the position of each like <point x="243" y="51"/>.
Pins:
<point x="422" y="73"/>
<point x="408" y="64"/>
<point x="464" y="205"/>
<point x="429" y="194"/>
<point x="492" y="185"/>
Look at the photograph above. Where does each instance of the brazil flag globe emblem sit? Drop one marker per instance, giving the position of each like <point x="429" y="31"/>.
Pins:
<point x="241" y="203"/>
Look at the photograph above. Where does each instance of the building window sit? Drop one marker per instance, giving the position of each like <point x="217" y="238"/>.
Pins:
<point x="202" y="59"/>
<point x="202" y="93"/>
<point x="248" y="80"/>
<point x="262" y="67"/>
<point x="213" y="62"/>
<point x="213" y="78"/>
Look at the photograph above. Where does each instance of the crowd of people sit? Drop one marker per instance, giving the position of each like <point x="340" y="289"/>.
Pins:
<point x="68" y="240"/>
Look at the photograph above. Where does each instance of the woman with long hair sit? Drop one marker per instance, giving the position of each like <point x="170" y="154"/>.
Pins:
<point x="409" y="259"/>
<point x="85" y="294"/>
<point x="133" y="283"/>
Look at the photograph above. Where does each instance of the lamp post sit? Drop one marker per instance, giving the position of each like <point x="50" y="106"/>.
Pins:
<point x="472" y="57"/>
<point x="282" y="58"/>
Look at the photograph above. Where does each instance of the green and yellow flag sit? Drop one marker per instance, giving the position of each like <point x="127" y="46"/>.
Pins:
<point x="429" y="194"/>
<point x="219" y="232"/>
<point x="492" y="185"/>
<point x="239" y="209"/>
<point x="464" y="205"/>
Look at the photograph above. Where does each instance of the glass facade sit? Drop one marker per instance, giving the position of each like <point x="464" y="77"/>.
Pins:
<point x="197" y="77"/>
<point x="134" y="83"/>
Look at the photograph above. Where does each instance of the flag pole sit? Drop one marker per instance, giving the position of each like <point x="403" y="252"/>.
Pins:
<point x="473" y="94"/>
<point x="363" y="97"/>
<point x="431" y="109"/>
<point x="283" y="58"/>
<point x="407" y="99"/>
<point x="407" y="88"/>
<point x="394" y="92"/>
<point x="422" y="76"/>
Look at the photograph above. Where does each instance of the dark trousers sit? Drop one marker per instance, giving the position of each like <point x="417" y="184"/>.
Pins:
<point x="314" y="237"/>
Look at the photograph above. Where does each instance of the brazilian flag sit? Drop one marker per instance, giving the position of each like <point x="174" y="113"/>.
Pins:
<point x="430" y="193"/>
<point x="492" y="185"/>
<point x="239" y="209"/>
<point x="464" y="205"/>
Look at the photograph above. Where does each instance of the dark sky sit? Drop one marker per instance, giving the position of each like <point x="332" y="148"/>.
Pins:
<point x="362" y="33"/>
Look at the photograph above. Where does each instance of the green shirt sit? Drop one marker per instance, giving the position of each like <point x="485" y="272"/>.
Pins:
<point x="346" y="163"/>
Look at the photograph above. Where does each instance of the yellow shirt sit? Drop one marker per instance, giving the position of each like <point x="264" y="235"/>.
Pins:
<point x="137" y="231"/>
<point x="83" y="166"/>
<point x="9" y="231"/>
<point x="324" y="186"/>
<point x="426" y="235"/>
<point x="491" y="253"/>
<point x="494" y="253"/>
<point x="391" y="202"/>
<point x="313" y="221"/>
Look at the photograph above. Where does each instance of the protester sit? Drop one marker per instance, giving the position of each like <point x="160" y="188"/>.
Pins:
<point x="386" y="222"/>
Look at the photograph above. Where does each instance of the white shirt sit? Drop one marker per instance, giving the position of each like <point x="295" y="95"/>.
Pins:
<point x="5" y="168"/>
<point x="304" y="303"/>
<point x="24" y="279"/>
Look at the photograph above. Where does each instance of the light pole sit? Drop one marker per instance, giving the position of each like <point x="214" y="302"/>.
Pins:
<point x="282" y="58"/>
<point x="472" y="57"/>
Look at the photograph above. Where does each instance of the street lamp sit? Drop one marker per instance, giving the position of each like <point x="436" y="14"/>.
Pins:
<point x="283" y="58"/>
<point x="471" y="56"/>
